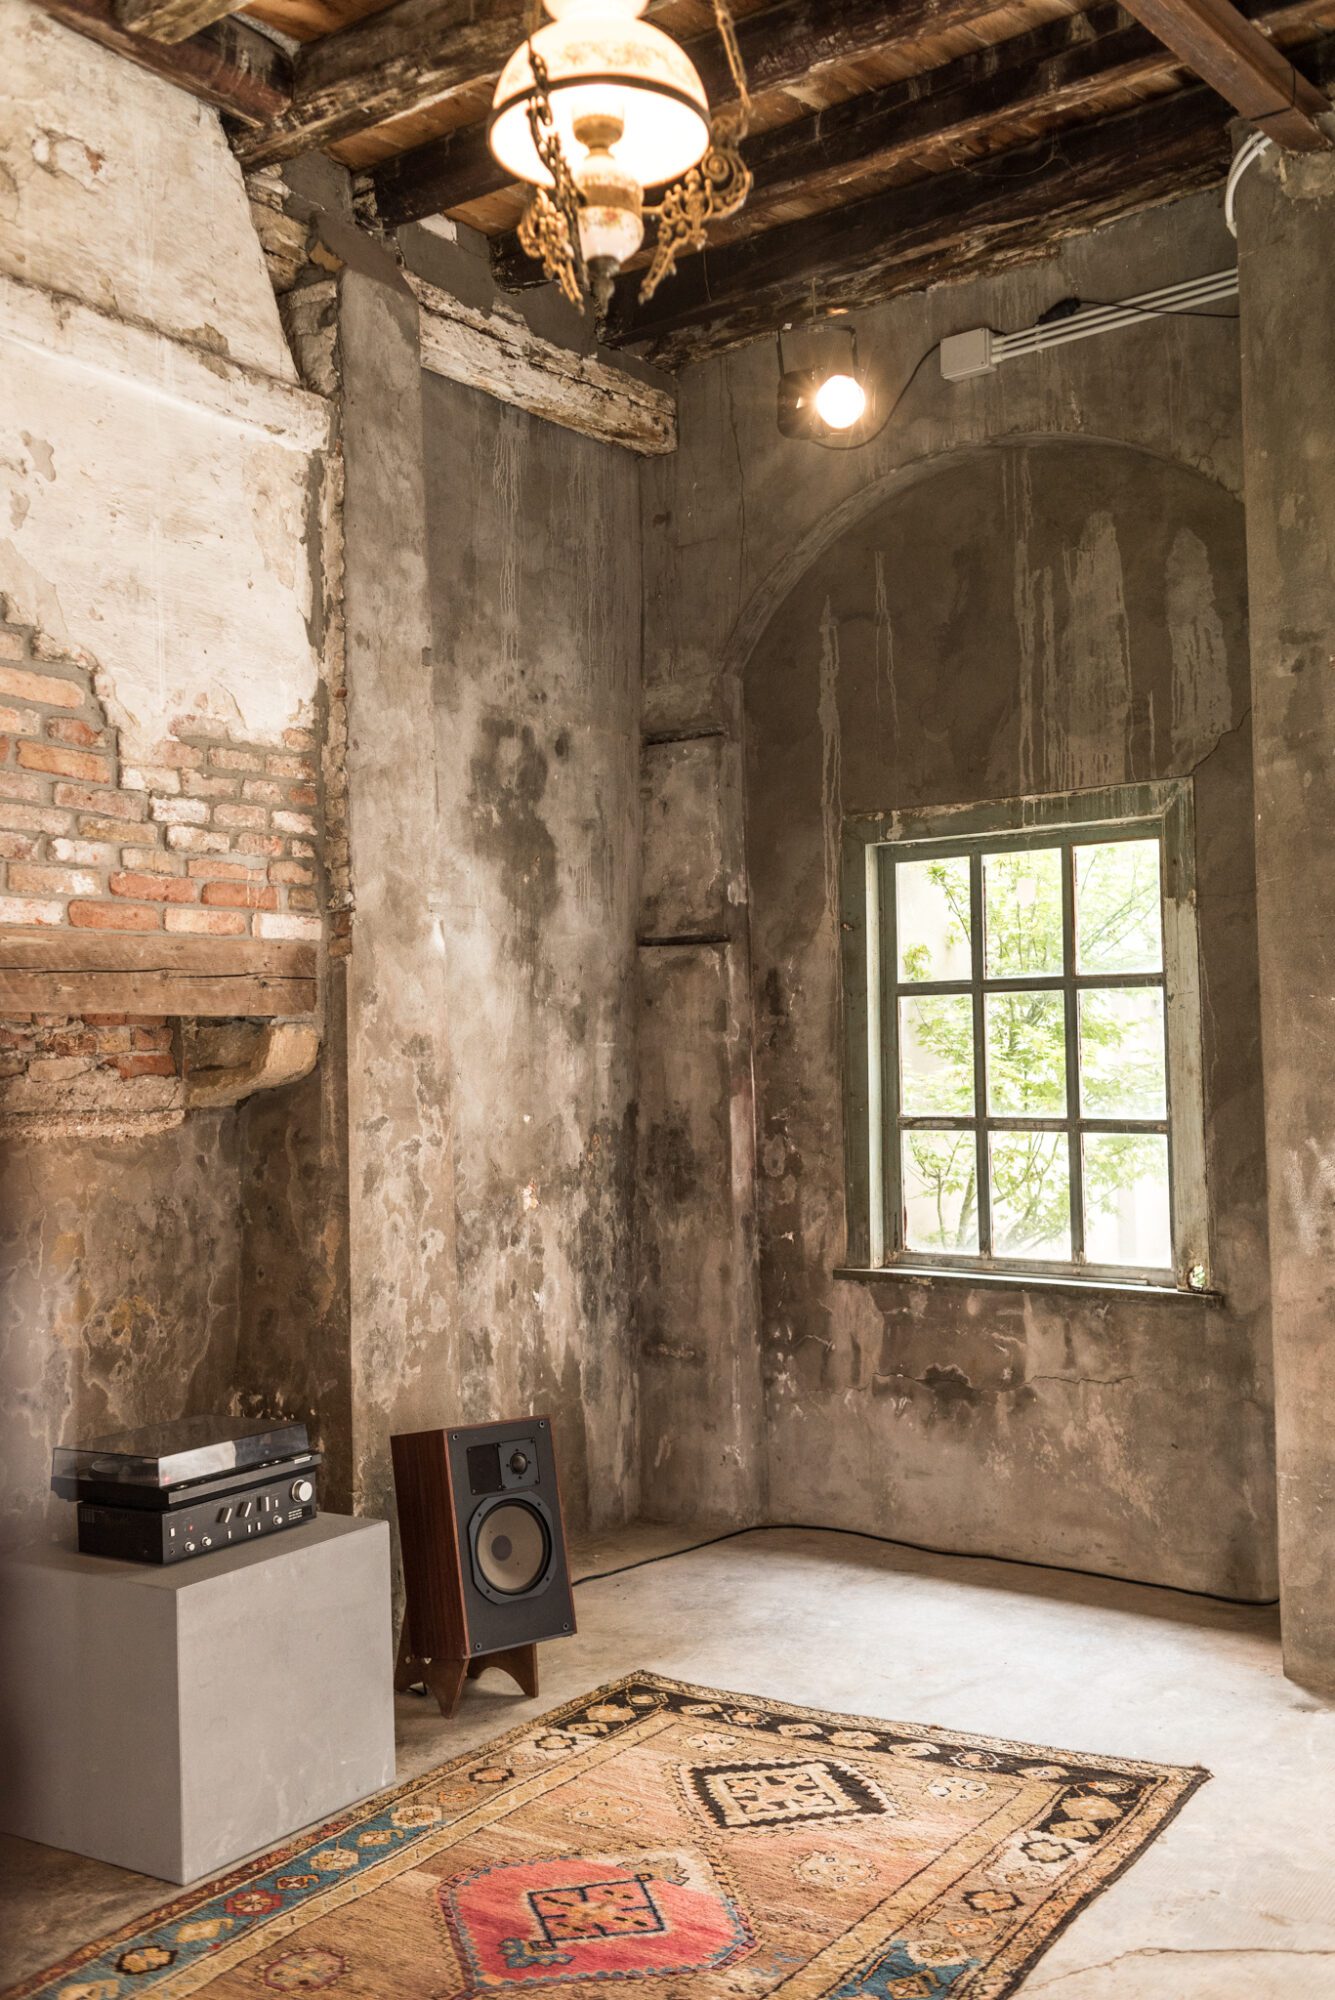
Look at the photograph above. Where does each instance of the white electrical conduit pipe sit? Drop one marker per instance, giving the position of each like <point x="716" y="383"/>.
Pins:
<point x="1248" y="153"/>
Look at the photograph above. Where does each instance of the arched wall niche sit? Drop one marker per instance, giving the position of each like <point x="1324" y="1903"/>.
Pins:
<point x="1035" y="616"/>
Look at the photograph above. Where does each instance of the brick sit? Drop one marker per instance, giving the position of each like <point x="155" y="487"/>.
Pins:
<point x="72" y="1042"/>
<point x="114" y="917"/>
<point x="21" y="721"/>
<point x="12" y="646"/>
<point x="181" y="756"/>
<point x="153" y="888"/>
<point x="179" y="812"/>
<point x="30" y="910"/>
<point x="33" y="819"/>
<point x="109" y="1040"/>
<point x="239" y="896"/>
<point x="299" y="739"/>
<point x="308" y="928"/>
<point x="293" y="822"/>
<point x="228" y="871"/>
<point x="151" y="1038"/>
<point x="279" y="766"/>
<point x="291" y="871"/>
<point x="302" y="899"/>
<point x="22" y="785"/>
<point x="73" y="730"/>
<point x="236" y="760"/>
<point x="58" y="762"/>
<point x="83" y="853"/>
<point x="106" y="1020"/>
<point x="19" y="846"/>
<point x="208" y="923"/>
<point x="247" y="816"/>
<point x="53" y="881"/>
<point x="263" y="791"/>
<point x="110" y="805"/>
<point x="144" y="1065"/>
<point x="306" y="851"/>
<point x="198" y="787"/>
<point x="196" y="840"/>
<point x="150" y="778"/>
<point x="92" y="828"/>
<point x="260" y="843"/>
<point x="303" y="795"/>
<point x="25" y="685"/>
<point x="150" y="861"/>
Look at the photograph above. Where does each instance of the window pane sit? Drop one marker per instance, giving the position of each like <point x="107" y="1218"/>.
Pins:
<point x="941" y="1191"/>
<point x="932" y="919"/>
<point x="1022" y="912"/>
<point x="1026" y="1054"/>
<point x="1031" y="1196"/>
<point x="936" y="1055"/>
<point x="1122" y="1070"/>
<point x="1118" y="921"/>
<point x="1127" y="1215"/>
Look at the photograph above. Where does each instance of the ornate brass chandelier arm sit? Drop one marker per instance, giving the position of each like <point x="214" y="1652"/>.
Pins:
<point x="717" y="186"/>
<point x="549" y="226"/>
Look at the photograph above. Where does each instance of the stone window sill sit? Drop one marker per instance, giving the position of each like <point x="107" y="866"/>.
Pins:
<point x="1018" y="1281"/>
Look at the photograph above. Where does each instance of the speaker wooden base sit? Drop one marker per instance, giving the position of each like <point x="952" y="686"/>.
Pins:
<point x="445" y="1678"/>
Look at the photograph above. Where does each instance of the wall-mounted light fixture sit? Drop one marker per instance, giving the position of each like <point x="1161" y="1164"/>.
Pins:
<point x="823" y="402"/>
<point x="597" y="107"/>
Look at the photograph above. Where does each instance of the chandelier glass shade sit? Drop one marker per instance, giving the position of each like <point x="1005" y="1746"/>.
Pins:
<point x="605" y="68"/>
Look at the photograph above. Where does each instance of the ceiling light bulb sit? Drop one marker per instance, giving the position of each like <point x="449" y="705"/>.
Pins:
<point x="840" y="401"/>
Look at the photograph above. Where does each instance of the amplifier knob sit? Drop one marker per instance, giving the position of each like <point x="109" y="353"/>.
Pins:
<point x="302" y="1491"/>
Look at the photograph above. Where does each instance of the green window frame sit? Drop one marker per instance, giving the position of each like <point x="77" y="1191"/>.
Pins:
<point x="883" y="1131"/>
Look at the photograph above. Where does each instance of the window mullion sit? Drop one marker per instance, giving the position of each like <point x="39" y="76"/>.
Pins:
<point x="984" y="1165"/>
<point x="891" y="1191"/>
<point x="1075" y="1156"/>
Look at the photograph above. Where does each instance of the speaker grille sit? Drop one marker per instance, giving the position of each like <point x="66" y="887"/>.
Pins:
<point x="513" y="1548"/>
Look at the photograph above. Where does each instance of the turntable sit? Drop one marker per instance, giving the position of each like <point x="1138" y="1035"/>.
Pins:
<point x="172" y="1491"/>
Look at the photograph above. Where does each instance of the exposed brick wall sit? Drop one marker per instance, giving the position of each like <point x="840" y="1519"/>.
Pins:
<point x="56" y="1048"/>
<point x="211" y="838"/>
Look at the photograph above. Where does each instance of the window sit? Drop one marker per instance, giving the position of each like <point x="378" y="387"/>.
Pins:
<point x="1024" y="1041"/>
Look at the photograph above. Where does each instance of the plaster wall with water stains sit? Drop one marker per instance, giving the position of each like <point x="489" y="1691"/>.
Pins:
<point x="1029" y="583"/>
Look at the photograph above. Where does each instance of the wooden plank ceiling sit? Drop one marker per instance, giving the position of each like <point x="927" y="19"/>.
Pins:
<point x="894" y="143"/>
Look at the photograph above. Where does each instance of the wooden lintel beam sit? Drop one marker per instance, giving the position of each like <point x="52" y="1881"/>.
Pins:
<point x="230" y="64"/>
<point x="422" y="51"/>
<point x="1230" y="54"/>
<point x="170" y="20"/>
<point x="73" y="972"/>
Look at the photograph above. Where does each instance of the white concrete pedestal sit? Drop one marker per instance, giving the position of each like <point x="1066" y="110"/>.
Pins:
<point x="173" y="1720"/>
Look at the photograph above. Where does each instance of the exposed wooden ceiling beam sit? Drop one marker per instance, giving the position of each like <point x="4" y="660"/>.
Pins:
<point x="781" y="46"/>
<point x="170" y="20"/>
<point x="230" y="64"/>
<point x="1054" y="69"/>
<point x="420" y="52"/>
<point x="1231" y="55"/>
<point x="944" y="226"/>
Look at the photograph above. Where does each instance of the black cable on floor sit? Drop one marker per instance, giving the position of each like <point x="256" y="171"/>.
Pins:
<point x="921" y="1549"/>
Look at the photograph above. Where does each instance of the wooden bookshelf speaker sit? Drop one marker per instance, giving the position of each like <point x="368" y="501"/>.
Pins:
<point x="484" y="1554"/>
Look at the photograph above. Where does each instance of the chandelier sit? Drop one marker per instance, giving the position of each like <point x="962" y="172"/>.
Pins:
<point x="592" y="111"/>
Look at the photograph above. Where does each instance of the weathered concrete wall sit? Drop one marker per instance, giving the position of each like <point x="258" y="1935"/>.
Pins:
<point x="119" y="1273"/>
<point x="1085" y="627"/>
<point x="528" y="834"/>
<point x="1032" y="636"/>
<point x="1286" y="241"/>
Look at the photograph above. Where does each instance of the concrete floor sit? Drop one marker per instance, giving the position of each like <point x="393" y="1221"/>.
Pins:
<point x="1236" y="1898"/>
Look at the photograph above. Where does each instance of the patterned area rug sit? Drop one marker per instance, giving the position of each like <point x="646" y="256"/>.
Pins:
<point x="693" y="1841"/>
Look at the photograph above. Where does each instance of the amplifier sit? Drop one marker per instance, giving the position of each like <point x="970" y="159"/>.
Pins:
<point x="143" y="1534"/>
<point x="185" y="1489"/>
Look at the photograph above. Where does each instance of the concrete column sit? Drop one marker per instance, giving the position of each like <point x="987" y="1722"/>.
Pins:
<point x="401" y="1231"/>
<point x="1286" y="245"/>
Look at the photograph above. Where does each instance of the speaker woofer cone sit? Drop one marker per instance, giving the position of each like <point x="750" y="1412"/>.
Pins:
<point x="512" y="1549"/>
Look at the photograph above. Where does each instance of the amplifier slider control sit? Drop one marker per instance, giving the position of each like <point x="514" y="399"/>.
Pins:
<point x="302" y="1491"/>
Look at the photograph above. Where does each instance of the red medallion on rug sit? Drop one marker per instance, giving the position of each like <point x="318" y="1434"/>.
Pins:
<point x="529" y="1923"/>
